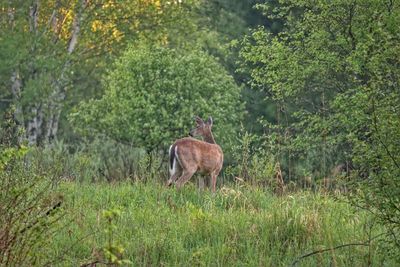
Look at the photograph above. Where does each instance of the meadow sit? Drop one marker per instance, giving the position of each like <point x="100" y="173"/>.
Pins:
<point x="302" y="97"/>
<point x="148" y="224"/>
<point x="54" y="213"/>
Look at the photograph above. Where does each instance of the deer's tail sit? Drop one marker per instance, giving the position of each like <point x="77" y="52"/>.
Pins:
<point x="172" y="159"/>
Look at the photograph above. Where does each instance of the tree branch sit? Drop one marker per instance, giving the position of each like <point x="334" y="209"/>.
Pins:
<point x="350" y="29"/>
<point x="366" y="243"/>
<point x="375" y="123"/>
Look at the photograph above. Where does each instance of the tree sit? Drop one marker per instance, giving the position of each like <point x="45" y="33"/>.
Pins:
<point x="334" y="68"/>
<point x="152" y="94"/>
<point x="49" y="50"/>
<point x="223" y="22"/>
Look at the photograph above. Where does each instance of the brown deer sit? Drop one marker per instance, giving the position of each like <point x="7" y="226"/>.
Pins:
<point x="188" y="155"/>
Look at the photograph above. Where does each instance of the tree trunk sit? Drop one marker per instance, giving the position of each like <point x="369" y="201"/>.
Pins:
<point x="34" y="126"/>
<point x="18" y="114"/>
<point x="58" y="96"/>
<point x="41" y="119"/>
<point x="55" y="107"/>
<point x="33" y="14"/>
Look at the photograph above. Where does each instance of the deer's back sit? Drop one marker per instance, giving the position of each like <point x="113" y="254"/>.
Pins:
<point x="205" y="156"/>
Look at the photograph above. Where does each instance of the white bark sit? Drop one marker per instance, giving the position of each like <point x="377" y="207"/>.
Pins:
<point x="76" y="27"/>
<point x="75" y="34"/>
<point x="55" y="106"/>
<point x="58" y="96"/>
<point x="42" y="122"/>
<point x="34" y="15"/>
<point x="34" y="126"/>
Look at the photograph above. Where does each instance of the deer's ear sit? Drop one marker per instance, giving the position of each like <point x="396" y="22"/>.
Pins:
<point x="198" y="120"/>
<point x="210" y="121"/>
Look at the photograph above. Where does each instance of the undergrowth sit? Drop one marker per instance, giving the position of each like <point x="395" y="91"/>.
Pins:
<point x="237" y="226"/>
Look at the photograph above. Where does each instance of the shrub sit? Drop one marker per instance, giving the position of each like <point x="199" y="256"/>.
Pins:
<point x="153" y="92"/>
<point x="29" y="210"/>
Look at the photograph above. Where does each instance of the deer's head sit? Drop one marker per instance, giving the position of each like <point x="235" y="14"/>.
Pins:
<point x="188" y="155"/>
<point x="202" y="128"/>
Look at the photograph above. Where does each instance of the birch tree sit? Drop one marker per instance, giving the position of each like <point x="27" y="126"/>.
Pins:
<point x="53" y="49"/>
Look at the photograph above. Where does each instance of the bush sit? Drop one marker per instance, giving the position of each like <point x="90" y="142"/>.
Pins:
<point x="152" y="93"/>
<point x="29" y="210"/>
<point x="97" y="160"/>
<point x="252" y="161"/>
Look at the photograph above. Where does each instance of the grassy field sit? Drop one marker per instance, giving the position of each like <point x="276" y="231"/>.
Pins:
<point x="238" y="226"/>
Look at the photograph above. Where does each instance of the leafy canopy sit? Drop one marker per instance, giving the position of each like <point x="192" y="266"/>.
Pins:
<point x="152" y="93"/>
<point x="336" y="65"/>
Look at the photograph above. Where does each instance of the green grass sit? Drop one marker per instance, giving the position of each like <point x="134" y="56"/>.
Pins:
<point x="238" y="226"/>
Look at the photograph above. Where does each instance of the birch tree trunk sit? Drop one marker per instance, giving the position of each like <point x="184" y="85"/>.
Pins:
<point x="58" y="96"/>
<point x="34" y="124"/>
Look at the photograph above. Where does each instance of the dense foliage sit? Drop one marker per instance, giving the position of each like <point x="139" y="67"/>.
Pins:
<point x="304" y="95"/>
<point x="55" y="52"/>
<point x="29" y="208"/>
<point x="334" y="69"/>
<point x="153" y="93"/>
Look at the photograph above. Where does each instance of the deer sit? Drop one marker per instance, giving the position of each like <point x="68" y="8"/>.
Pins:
<point x="189" y="155"/>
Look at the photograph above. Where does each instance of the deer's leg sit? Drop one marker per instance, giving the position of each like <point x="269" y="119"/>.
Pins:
<point x="213" y="180"/>
<point x="173" y="177"/>
<point x="186" y="175"/>
<point x="175" y="172"/>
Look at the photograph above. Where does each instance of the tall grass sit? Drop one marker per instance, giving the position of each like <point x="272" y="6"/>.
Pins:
<point x="138" y="221"/>
<point x="238" y="226"/>
<point x="29" y="210"/>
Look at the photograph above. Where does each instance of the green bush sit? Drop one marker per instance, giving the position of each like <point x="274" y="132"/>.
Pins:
<point x="152" y="94"/>
<point x="98" y="160"/>
<point x="30" y="210"/>
<point x="334" y="73"/>
<point x="252" y="161"/>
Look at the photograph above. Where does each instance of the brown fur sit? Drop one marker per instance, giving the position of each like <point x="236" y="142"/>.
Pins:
<point x="193" y="156"/>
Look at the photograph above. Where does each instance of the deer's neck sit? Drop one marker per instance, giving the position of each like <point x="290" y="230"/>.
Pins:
<point x="209" y="138"/>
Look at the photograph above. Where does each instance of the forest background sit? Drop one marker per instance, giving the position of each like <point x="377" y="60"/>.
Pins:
<point x="304" y="95"/>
